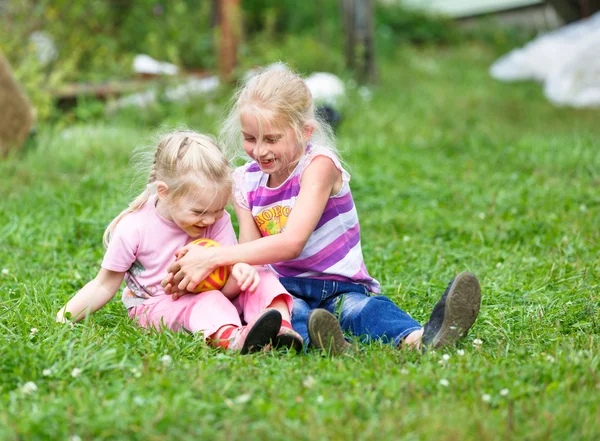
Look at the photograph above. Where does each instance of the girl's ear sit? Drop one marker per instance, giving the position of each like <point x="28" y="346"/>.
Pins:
<point x="308" y="131"/>
<point x="162" y="190"/>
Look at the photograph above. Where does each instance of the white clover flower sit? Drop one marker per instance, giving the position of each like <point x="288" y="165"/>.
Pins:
<point x="486" y="397"/>
<point x="74" y="438"/>
<point x="47" y="372"/>
<point x="244" y="398"/>
<point x="504" y="392"/>
<point x="320" y="399"/>
<point x="139" y="401"/>
<point x="309" y="382"/>
<point x="166" y="360"/>
<point x="365" y="93"/>
<point x="76" y="372"/>
<point x="404" y="371"/>
<point x="33" y="331"/>
<point x="441" y="362"/>
<point x="482" y="215"/>
<point x="444" y="382"/>
<point x="4" y="271"/>
<point x="477" y="342"/>
<point x="29" y="388"/>
<point x="406" y="239"/>
<point x="550" y="358"/>
<point x="461" y="352"/>
<point x="446" y="357"/>
<point x="499" y="265"/>
<point x="136" y="372"/>
<point x="582" y="208"/>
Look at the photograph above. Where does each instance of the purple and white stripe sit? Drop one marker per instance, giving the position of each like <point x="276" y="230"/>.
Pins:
<point x="333" y="250"/>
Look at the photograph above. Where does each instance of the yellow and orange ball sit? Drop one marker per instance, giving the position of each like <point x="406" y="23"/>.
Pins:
<point x="216" y="279"/>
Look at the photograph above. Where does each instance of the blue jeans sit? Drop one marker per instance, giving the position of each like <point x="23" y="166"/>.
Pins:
<point x="360" y="314"/>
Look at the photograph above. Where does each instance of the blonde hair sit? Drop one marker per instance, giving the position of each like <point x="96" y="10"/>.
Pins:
<point x="281" y="96"/>
<point x="182" y="159"/>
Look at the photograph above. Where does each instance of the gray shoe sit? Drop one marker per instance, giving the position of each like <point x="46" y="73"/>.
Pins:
<point x="454" y="314"/>
<point x="326" y="333"/>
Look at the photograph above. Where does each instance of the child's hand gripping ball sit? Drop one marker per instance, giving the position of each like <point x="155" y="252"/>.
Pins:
<point x="216" y="279"/>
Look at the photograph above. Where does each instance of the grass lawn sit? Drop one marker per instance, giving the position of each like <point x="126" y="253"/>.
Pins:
<point x="452" y="171"/>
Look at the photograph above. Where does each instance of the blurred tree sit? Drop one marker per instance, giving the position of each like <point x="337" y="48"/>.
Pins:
<point x="230" y="31"/>
<point x="359" y="38"/>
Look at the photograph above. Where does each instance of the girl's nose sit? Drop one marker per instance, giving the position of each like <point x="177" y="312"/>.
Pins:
<point x="258" y="149"/>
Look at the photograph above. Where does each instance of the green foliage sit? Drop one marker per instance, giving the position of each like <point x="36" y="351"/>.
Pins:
<point x="284" y="17"/>
<point x="302" y="52"/>
<point x="413" y="26"/>
<point x="98" y="43"/>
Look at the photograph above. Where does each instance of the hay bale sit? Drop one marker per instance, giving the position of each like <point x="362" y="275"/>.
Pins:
<point x="16" y="113"/>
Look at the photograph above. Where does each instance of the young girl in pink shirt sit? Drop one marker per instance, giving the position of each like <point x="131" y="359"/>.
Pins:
<point x="188" y="188"/>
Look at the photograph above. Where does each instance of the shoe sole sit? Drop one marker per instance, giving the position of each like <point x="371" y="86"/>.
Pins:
<point x="325" y="332"/>
<point x="289" y="342"/>
<point x="263" y="332"/>
<point x="462" y="308"/>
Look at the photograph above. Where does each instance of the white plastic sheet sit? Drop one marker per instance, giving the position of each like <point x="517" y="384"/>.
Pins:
<point x="567" y="61"/>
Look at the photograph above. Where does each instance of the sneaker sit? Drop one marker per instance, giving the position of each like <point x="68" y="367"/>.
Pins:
<point x="252" y="338"/>
<point x="288" y="338"/>
<point x="454" y="313"/>
<point x="326" y="333"/>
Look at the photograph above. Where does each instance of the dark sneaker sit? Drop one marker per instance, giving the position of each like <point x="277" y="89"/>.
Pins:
<point x="326" y="333"/>
<point x="454" y="313"/>
<point x="257" y="335"/>
<point x="288" y="338"/>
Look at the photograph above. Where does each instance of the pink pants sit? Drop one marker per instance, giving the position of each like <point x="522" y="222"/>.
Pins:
<point x="208" y="311"/>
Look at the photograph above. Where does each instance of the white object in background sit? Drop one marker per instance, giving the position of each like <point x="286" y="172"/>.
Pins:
<point x="577" y="83"/>
<point x="145" y="64"/>
<point x="44" y="46"/>
<point x="325" y="87"/>
<point x="566" y="60"/>
<point x="191" y="88"/>
<point x="177" y="93"/>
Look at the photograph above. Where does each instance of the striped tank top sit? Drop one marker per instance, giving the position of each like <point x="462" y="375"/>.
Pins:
<point x="333" y="251"/>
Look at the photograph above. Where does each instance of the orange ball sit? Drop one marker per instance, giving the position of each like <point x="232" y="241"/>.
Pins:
<point x="216" y="279"/>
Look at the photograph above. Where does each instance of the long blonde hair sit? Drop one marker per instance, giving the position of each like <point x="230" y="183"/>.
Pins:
<point x="182" y="160"/>
<point x="285" y="98"/>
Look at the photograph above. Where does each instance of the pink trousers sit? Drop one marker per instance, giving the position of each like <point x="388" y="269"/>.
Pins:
<point x="208" y="311"/>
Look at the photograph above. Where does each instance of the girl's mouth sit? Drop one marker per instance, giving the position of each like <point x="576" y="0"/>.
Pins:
<point x="266" y="163"/>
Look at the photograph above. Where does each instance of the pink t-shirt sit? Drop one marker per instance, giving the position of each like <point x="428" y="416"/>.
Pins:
<point x="143" y="245"/>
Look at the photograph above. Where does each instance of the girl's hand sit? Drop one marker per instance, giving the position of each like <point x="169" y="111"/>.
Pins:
<point x="194" y="265"/>
<point x="246" y="276"/>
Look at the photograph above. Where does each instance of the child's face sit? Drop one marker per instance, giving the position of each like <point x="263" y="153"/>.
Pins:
<point x="276" y="152"/>
<point x="193" y="213"/>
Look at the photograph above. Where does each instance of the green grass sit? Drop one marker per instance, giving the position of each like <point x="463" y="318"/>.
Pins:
<point x="452" y="171"/>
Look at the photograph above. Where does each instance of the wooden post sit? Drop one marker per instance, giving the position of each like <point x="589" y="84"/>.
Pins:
<point x="369" y="71"/>
<point x="348" y="19"/>
<point x="17" y="115"/>
<point x="359" y="35"/>
<point x="230" y="33"/>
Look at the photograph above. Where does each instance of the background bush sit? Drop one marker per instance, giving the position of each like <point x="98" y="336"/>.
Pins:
<point x="97" y="42"/>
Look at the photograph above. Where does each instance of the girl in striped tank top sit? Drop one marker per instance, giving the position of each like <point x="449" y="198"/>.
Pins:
<point x="296" y="214"/>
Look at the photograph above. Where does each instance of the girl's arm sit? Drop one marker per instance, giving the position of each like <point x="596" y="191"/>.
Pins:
<point x="248" y="229"/>
<point x="93" y="296"/>
<point x="316" y="186"/>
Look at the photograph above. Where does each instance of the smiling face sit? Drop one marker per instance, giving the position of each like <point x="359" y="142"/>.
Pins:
<point x="194" y="212"/>
<point x="275" y="149"/>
